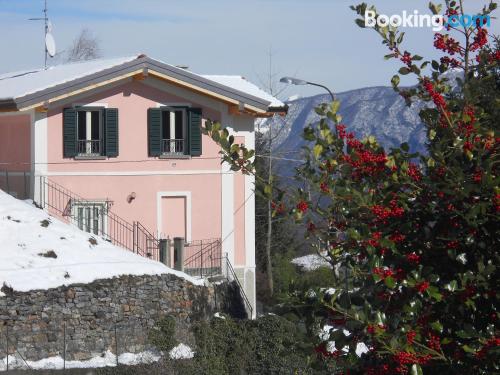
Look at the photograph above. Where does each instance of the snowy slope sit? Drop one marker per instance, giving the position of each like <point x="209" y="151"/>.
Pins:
<point x="25" y="238"/>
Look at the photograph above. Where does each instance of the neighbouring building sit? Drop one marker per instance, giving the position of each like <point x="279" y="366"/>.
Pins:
<point x="115" y="147"/>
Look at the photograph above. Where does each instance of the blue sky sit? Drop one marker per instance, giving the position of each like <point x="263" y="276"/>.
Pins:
<point x="313" y="39"/>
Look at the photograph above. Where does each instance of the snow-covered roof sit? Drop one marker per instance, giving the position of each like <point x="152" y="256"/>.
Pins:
<point x="19" y="84"/>
<point x="25" y="242"/>
<point x="31" y="87"/>
<point x="242" y="84"/>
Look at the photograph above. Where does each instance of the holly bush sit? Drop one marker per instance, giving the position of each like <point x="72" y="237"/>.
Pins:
<point x="414" y="238"/>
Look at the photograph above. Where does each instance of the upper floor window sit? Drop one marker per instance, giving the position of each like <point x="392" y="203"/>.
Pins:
<point x="173" y="131"/>
<point x="90" y="132"/>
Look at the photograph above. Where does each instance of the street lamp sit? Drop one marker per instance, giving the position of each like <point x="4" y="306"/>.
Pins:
<point x="301" y="82"/>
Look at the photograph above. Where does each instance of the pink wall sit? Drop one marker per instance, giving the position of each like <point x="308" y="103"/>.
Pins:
<point x="15" y="143"/>
<point x="133" y="100"/>
<point x="15" y="154"/>
<point x="135" y="171"/>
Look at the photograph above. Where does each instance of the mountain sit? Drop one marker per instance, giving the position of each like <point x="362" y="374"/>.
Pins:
<point x="378" y="111"/>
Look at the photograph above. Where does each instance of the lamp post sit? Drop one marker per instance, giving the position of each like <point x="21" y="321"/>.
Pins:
<point x="301" y="82"/>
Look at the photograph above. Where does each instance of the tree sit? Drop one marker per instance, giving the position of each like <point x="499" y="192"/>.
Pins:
<point x="267" y="179"/>
<point x="417" y="234"/>
<point x="85" y="47"/>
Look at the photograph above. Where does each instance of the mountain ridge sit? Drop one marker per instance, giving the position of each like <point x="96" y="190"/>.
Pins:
<point x="377" y="111"/>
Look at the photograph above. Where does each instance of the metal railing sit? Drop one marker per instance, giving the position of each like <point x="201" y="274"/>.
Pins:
<point x="231" y="276"/>
<point x="89" y="147"/>
<point x="95" y="216"/>
<point x="172" y="146"/>
<point x="203" y="258"/>
<point x="16" y="183"/>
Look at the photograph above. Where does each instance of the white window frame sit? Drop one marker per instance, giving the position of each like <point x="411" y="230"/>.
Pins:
<point x="172" y="110"/>
<point x="103" y="221"/>
<point x="88" y="123"/>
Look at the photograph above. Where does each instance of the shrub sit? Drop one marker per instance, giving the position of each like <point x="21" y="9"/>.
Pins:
<point x="162" y="334"/>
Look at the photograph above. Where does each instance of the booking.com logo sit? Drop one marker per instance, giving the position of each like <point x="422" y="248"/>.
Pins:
<point x="415" y="19"/>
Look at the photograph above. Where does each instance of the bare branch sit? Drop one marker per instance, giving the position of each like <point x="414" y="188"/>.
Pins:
<point x="85" y="47"/>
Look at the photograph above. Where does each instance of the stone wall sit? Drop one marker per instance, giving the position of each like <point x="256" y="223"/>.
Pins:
<point x="111" y="314"/>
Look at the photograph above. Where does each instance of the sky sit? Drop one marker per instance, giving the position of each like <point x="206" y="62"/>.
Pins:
<point x="316" y="40"/>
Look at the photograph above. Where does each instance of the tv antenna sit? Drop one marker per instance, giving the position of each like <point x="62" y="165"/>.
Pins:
<point x="49" y="42"/>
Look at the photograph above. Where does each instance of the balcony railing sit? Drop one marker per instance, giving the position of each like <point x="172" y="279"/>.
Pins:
<point x="172" y="146"/>
<point x="86" y="147"/>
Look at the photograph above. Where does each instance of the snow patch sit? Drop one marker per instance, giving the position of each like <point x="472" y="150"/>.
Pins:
<point x="181" y="351"/>
<point x="324" y="335"/>
<point x="26" y="232"/>
<point x="108" y="359"/>
<point x="311" y="262"/>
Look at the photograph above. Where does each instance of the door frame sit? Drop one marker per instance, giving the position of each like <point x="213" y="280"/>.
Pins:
<point x="159" y="214"/>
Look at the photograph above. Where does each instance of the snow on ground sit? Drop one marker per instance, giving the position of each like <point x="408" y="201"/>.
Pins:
<point x="181" y="351"/>
<point x="57" y="363"/>
<point x="311" y="262"/>
<point x="25" y="238"/>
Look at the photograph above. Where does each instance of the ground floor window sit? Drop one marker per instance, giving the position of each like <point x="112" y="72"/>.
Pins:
<point x="90" y="216"/>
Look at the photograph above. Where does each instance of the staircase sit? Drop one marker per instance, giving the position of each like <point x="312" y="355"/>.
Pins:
<point x="208" y="262"/>
<point x="96" y="217"/>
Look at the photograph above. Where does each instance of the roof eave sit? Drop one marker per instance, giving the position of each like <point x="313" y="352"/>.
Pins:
<point x="8" y="105"/>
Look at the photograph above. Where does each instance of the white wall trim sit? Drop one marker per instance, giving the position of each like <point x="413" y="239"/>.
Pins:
<point x="227" y="196"/>
<point x="39" y="150"/>
<point x="159" y="214"/>
<point x="250" y="209"/>
<point x="137" y="173"/>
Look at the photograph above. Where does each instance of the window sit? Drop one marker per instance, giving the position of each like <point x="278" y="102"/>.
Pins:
<point x="89" y="132"/>
<point x="173" y="131"/>
<point x="90" y="216"/>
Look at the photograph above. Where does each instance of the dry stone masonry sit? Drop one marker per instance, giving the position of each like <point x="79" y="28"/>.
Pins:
<point x="112" y="314"/>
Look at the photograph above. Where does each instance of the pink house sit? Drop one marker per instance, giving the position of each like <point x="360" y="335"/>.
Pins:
<point x="115" y="147"/>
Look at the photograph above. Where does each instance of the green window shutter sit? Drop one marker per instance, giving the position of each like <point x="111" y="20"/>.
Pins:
<point x="69" y="133"/>
<point x="194" y="131"/>
<point x="154" y="131"/>
<point x="111" y="140"/>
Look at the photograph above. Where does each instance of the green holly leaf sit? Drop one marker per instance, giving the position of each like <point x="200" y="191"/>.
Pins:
<point x="416" y="370"/>
<point x="317" y="150"/>
<point x="390" y="282"/>
<point x="395" y="81"/>
<point x="404" y="71"/>
<point x="433" y="292"/>
<point x="335" y="106"/>
<point x="437" y="326"/>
